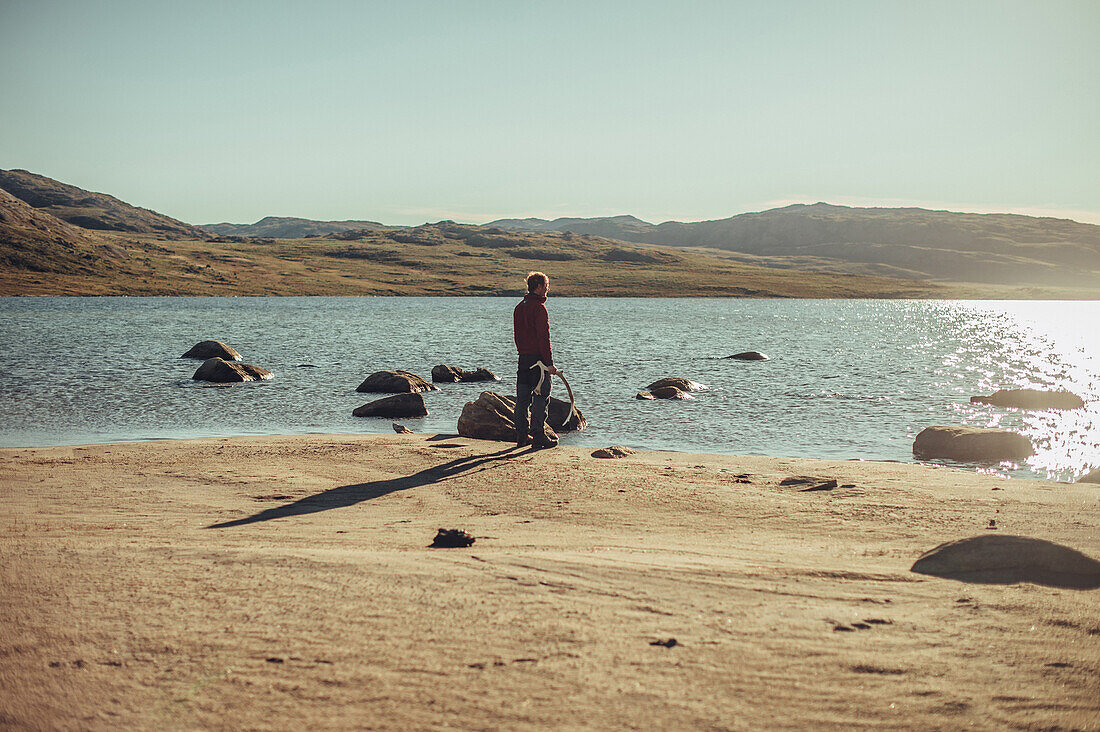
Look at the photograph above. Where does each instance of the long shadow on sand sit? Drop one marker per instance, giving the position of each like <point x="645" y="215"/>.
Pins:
<point x="349" y="495"/>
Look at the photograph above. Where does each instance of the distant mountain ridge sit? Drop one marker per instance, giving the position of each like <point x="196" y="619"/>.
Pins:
<point x="287" y="227"/>
<point x="902" y="242"/>
<point x="613" y="226"/>
<point x="908" y="243"/>
<point x="89" y="210"/>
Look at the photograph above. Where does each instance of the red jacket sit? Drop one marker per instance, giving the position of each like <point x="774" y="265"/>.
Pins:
<point x="532" y="328"/>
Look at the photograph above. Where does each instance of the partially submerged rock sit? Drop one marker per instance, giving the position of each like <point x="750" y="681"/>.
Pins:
<point x="212" y="349"/>
<point x="450" y="374"/>
<point x="220" y="371"/>
<point x="749" y="356"/>
<point x="998" y="559"/>
<point x="491" y="417"/>
<point x="394" y="382"/>
<point x="398" y="405"/>
<point x="401" y="429"/>
<point x="664" y="392"/>
<point x="560" y="417"/>
<point x="615" y="451"/>
<point x="681" y="384"/>
<point x="1031" y="399"/>
<point x="971" y="444"/>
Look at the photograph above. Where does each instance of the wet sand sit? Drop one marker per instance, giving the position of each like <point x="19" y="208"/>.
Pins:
<point x="285" y="582"/>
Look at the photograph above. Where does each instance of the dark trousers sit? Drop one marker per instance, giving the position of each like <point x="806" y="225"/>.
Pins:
<point x="527" y="377"/>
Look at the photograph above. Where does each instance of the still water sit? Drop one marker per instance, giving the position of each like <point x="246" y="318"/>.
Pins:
<point x="845" y="379"/>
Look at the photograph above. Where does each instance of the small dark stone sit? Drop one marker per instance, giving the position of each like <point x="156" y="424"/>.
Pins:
<point x="670" y="643"/>
<point x="450" y="538"/>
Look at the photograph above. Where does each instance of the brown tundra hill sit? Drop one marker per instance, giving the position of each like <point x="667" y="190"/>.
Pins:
<point x="912" y="243"/>
<point x="88" y="210"/>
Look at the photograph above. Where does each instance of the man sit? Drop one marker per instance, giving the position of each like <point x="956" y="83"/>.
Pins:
<point x="536" y="363"/>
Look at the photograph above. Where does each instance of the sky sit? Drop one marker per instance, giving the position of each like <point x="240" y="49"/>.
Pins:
<point x="415" y="111"/>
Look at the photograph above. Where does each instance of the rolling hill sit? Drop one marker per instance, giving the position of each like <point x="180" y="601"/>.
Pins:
<point x="275" y="227"/>
<point x="911" y="243"/>
<point x="88" y="210"/>
<point x="35" y="241"/>
<point x="59" y="239"/>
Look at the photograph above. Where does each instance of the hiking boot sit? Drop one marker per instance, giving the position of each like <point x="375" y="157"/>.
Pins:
<point x="544" y="444"/>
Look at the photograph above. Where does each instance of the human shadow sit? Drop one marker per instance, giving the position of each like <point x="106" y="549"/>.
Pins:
<point x="349" y="495"/>
<point x="1004" y="560"/>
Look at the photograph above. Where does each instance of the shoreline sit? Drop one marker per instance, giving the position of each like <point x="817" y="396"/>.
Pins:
<point x="945" y="465"/>
<point x="267" y="582"/>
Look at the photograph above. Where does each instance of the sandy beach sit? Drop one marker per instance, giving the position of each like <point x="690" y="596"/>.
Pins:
<point x="287" y="582"/>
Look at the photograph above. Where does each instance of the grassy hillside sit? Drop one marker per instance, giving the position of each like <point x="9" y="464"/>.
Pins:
<point x="438" y="259"/>
<point x="88" y="210"/>
<point x="807" y="251"/>
<point x="911" y="243"/>
<point x="282" y="227"/>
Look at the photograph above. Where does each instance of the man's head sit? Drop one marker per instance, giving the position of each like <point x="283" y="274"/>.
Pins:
<point x="538" y="283"/>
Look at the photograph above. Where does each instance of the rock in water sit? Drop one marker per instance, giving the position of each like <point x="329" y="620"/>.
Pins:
<point x="1031" y="399"/>
<point x="225" y="372"/>
<point x="490" y="417"/>
<point x="971" y="444"/>
<point x="664" y="392"/>
<point x="559" y="418"/>
<point x="398" y="405"/>
<point x="749" y="356"/>
<point x="212" y="349"/>
<point x="615" y="451"/>
<point x="997" y="559"/>
<point x="450" y="374"/>
<point x="681" y="384"/>
<point x="394" y="382"/>
<point x="401" y="429"/>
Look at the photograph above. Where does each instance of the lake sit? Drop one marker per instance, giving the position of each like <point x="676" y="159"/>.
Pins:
<point x="846" y="379"/>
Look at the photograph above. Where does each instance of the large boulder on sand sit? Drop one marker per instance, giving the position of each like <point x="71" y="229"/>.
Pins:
<point x="212" y="349"/>
<point x="1093" y="477"/>
<point x="681" y="384"/>
<point x="490" y="417"/>
<point x="1000" y="559"/>
<point x="221" y="371"/>
<point x="394" y="382"/>
<point x="1031" y="399"/>
<point x="450" y="374"/>
<point x="398" y="405"/>
<point x="971" y="444"/>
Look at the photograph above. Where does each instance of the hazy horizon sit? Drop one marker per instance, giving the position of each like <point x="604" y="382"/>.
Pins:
<point x="478" y="111"/>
